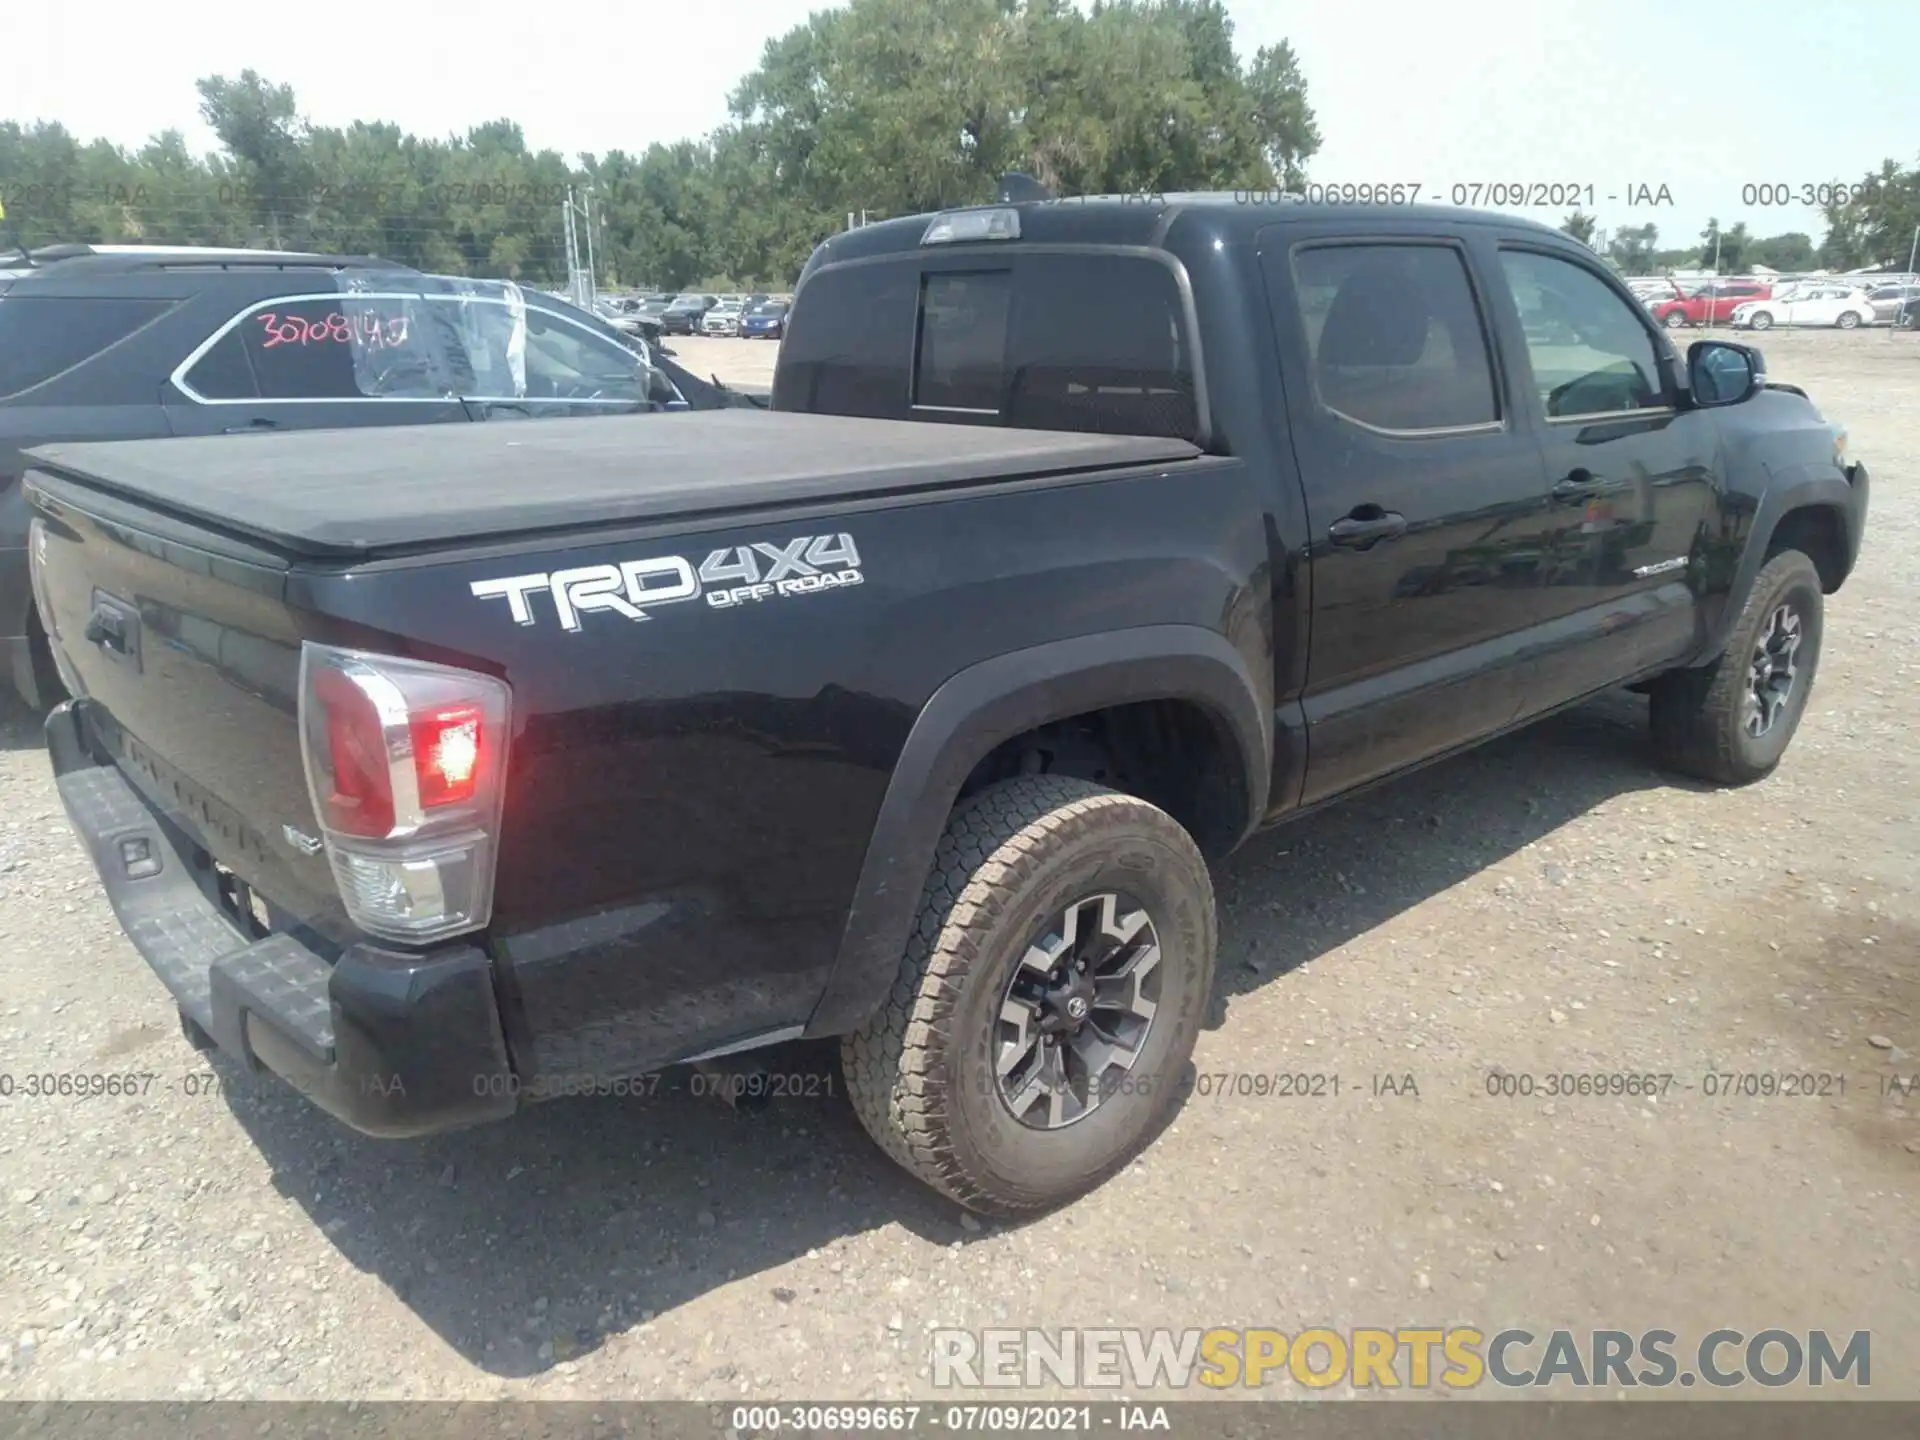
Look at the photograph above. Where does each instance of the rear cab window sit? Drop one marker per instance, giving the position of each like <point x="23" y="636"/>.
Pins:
<point x="1040" y="339"/>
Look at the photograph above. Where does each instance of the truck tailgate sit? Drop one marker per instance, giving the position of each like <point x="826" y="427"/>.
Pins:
<point x="188" y="660"/>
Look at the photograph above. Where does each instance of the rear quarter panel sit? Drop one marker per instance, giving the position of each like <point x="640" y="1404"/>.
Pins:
<point x="690" y="797"/>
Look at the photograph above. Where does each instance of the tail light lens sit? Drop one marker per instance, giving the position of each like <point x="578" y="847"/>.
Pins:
<point x="406" y="765"/>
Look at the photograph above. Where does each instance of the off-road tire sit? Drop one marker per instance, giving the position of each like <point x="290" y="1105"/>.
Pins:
<point x="920" y="1071"/>
<point x="1698" y="716"/>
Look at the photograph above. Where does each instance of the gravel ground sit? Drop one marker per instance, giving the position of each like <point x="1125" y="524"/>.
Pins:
<point x="1549" y="903"/>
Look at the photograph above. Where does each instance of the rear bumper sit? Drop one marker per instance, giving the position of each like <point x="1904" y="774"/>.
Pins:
<point x="391" y="1043"/>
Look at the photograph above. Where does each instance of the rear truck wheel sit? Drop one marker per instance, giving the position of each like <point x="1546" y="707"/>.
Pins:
<point x="1761" y="320"/>
<point x="1848" y="320"/>
<point x="1676" y="320"/>
<point x="1729" y="722"/>
<point x="1048" y="1002"/>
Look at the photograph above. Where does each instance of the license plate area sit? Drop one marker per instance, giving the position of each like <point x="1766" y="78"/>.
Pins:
<point x="242" y="903"/>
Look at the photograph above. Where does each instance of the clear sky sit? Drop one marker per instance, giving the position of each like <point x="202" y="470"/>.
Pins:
<point x="1503" y="91"/>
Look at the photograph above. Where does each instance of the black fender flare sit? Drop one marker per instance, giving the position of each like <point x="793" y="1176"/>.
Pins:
<point x="1801" y="488"/>
<point x="991" y="702"/>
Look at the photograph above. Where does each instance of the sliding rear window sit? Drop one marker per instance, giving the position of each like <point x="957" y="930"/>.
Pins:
<point x="1045" y="341"/>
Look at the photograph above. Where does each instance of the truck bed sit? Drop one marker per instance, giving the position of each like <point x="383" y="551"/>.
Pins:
<point x="352" y="493"/>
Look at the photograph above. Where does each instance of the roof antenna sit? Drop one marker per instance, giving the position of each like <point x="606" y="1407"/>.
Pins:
<point x="1019" y="189"/>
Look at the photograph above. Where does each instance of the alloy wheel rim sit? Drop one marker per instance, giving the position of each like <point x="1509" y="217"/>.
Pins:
<point x="1077" y="1011"/>
<point x="1772" y="670"/>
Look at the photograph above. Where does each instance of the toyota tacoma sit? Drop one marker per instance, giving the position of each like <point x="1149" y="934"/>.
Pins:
<point x="431" y="766"/>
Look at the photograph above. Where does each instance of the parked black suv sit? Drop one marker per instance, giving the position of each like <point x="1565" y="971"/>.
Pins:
<point x="564" y="752"/>
<point x="117" y="342"/>
<point x="683" y="314"/>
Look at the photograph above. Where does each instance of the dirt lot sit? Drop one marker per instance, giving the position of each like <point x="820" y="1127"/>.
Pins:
<point x="1548" y="904"/>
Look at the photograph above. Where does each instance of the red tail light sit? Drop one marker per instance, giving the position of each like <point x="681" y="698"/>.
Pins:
<point x="406" y="767"/>
<point x="449" y="752"/>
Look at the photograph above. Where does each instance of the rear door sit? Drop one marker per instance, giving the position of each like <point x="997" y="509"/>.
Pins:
<point x="305" y="356"/>
<point x="1632" y="478"/>
<point x="1424" y="491"/>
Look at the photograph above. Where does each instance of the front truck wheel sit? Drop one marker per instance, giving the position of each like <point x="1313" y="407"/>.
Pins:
<point x="1729" y="722"/>
<point x="1049" y="998"/>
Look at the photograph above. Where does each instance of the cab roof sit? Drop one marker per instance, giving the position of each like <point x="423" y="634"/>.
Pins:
<point x="1232" y="216"/>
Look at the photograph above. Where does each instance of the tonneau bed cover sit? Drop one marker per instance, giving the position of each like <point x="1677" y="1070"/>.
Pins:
<point x="344" y="493"/>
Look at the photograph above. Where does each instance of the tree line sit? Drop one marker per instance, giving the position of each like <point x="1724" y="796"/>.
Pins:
<point x="883" y="107"/>
<point x="1870" y="222"/>
<point x="890" y="107"/>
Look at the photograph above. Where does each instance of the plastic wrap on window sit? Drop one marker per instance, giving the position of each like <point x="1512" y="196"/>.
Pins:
<point x="455" y="336"/>
<point x="485" y="328"/>
<point x="388" y="334"/>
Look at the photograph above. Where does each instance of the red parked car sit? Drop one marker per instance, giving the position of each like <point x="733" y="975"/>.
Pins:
<point x="1713" y="301"/>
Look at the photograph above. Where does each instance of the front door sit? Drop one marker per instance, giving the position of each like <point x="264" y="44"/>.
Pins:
<point x="1425" y="498"/>
<point x="1632" y="479"/>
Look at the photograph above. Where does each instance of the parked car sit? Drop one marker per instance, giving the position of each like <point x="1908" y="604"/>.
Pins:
<point x="765" y="321"/>
<point x="1891" y="303"/>
<point x="1651" y="291"/>
<point x="1838" y="305"/>
<point x="722" y="319"/>
<point x="1712" y="303"/>
<point x="669" y="740"/>
<point x="654" y="306"/>
<point x="113" y="342"/>
<point x="684" y="313"/>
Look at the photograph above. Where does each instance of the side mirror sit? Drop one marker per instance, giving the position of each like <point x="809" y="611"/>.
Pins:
<point x="1722" y="373"/>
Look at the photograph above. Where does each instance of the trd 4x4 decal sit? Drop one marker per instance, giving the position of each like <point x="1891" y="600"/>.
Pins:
<point x="736" y="575"/>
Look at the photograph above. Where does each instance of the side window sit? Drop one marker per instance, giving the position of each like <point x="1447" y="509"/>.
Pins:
<point x="338" y="347"/>
<point x="224" y="372"/>
<point x="1395" y="336"/>
<point x="567" y="362"/>
<point x="1590" y="353"/>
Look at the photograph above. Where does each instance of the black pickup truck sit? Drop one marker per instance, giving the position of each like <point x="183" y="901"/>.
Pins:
<point x="434" y="769"/>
